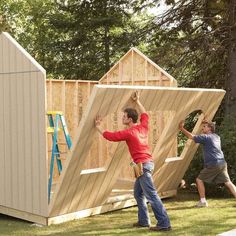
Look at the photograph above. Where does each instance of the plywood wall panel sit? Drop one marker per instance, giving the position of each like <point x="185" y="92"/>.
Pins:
<point x="99" y="183"/>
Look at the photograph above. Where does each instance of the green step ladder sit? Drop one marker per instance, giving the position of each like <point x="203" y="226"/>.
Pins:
<point x="54" y="118"/>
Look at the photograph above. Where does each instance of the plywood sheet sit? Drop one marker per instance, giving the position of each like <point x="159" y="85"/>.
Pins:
<point x="106" y="99"/>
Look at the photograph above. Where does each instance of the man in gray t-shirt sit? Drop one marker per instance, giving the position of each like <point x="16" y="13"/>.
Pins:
<point x="215" y="167"/>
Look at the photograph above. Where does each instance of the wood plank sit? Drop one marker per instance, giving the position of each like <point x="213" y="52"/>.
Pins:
<point x="13" y="104"/>
<point x="42" y="146"/>
<point x="109" y="177"/>
<point x="102" y="209"/>
<point x="85" y="200"/>
<point x="109" y="104"/>
<point x="2" y="138"/>
<point x="7" y="144"/>
<point x="23" y="215"/>
<point x="20" y="132"/>
<point x="14" y="161"/>
<point x="90" y="131"/>
<point x="78" y="196"/>
<point x="93" y="211"/>
<point x="82" y="139"/>
<point x="35" y="175"/>
<point x="101" y="177"/>
<point x="27" y="146"/>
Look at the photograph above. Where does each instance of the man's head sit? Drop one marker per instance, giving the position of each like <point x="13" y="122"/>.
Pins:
<point x="208" y="127"/>
<point x="130" y="115"/>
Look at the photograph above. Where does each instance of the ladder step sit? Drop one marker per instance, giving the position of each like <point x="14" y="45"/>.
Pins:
<point x="55" y="113"/>
<point x="51" y="130"/>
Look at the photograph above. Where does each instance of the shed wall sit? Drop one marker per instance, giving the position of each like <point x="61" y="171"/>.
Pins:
<point x="23" y="156"/>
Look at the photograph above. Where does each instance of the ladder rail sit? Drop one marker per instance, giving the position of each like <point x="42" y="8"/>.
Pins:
<point x="65" y="130"/>
<point x="55" y="148"/>
<point x="51" y="123"/>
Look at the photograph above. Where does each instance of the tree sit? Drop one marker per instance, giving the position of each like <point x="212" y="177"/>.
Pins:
<point x="76" y="39"/>
<point x="231" y="80"/>
<point x="197" y="43"/>
<point x="28" y="22"/>
<point x="93" y="34"/>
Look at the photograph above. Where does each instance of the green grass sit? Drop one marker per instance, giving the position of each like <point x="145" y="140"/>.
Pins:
<point x="219" y="217"/>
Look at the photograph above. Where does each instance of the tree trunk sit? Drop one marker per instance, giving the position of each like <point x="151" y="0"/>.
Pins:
<point x="231" y="80"/>
<point x="107" y="48"/>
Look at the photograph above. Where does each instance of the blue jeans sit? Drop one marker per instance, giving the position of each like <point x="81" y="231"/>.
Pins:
<point x="144" y="187"/>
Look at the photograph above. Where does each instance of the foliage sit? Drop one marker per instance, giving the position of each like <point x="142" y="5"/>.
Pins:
<point x="92" y="32"/>
<point x="193" y="42"/>
<point x="28" y="23"/>
<point x="227" y="131"/>
<point x="77" y="39"/>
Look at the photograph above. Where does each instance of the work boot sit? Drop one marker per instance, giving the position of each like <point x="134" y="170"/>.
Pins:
<point x="158" y="228"/>
<point x="137" y="225"/>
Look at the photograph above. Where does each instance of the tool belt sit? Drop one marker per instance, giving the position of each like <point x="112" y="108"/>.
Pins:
<point x="138" y="169"/>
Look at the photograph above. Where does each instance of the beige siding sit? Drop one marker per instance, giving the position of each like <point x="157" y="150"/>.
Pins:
<point x="23" y="155"/>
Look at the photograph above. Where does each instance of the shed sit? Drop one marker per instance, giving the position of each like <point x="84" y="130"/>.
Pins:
<point x="96" y="176"/>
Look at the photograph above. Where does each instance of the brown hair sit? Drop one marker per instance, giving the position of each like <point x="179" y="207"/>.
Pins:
<point x="132" y="113"/>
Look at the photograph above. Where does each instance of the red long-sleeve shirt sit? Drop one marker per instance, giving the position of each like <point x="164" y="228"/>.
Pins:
<point x="136" y="138"/>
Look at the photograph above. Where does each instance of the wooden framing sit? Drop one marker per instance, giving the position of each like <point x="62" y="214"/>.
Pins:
<point x="96" y="177"/>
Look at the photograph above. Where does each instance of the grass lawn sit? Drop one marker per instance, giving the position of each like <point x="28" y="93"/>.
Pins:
<point x="219" y="217"/>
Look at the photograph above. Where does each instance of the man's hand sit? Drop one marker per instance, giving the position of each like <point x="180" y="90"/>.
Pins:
<point x="135" y="96"/>
<point x="186" y="132"/>
<point x="138" y="170"/>
<point x="181" y="124"/>
<point x="98" y="122"/>
<point x="205" y="120"/>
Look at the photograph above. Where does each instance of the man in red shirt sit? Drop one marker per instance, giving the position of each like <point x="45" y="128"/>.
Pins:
<point x="136" y="137"/>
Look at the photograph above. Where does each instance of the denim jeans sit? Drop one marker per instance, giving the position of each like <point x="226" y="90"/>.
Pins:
<point x="144" y="187"/>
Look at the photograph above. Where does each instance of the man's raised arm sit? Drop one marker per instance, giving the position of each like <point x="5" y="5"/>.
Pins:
<point x="135" y="97"/>
<point x="186" y="132"/>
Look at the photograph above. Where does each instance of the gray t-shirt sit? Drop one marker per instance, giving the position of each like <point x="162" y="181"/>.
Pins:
<point x="213" y="154"/>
